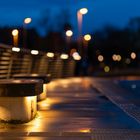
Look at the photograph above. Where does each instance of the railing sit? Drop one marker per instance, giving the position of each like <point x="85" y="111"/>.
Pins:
<point x="21" y="61"/>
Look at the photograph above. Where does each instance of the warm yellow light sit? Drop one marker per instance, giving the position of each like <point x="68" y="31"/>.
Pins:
<point x="85" y="130"/>
<point x="133" y="55"/>
<point x="27" y="20"/>
<point x="76" y="56"/>
<point x="50" y="54"/>
<point x="106" y="69"/>
<point x="15" y="32"/>
<point x="83" y="11"/>
<point x="64" y="56"/>
<point x="119" y="57"/>
<point x="34" y="52"/>
<point x="69" y="33"/>
<point x="15" y="49"/>
<point x="100" y="58"/>
<point x="87" y="37"/>
<point x="114" y="57"/>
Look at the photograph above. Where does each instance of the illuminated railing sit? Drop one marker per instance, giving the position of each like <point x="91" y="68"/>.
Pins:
<point x="23" y="61"/>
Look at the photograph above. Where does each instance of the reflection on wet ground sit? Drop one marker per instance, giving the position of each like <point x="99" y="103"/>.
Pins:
<point x="74" y="106"/>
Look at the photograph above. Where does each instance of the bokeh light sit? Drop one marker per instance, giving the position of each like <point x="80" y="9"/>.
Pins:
<point x="15" y="32"/>
<point x="106" y="68"/>
<point x="69" y="33"/>
<point x="87" y="37"/>
<point x="100" y="58"/>
<point x="83" y="11"/>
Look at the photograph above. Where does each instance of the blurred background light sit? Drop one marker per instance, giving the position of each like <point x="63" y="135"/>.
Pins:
<point x="34" y="52"/>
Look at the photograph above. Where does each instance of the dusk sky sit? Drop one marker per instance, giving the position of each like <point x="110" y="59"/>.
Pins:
<point x="101" y="12"/>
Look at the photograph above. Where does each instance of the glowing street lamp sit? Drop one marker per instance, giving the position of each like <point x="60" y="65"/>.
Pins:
<point x="83" y="11"/>
<point x="87" y="37"/>
<point x="86" y="40"/>
<point x="80" y="14"/>
<point x="15" y="33"/>
<point x="27" y="20"/>
<point x="25" y="23"/>
<point x="69" y="33"/>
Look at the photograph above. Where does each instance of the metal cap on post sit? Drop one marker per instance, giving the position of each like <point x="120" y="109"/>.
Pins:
<point x="45" y="77"/>
<point x="20" y="88"/>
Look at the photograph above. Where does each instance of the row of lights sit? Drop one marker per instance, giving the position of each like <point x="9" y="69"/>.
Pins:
<point x="116" y="57"/>
<point x="80" y="13"/>
<point x="64" y="56"/>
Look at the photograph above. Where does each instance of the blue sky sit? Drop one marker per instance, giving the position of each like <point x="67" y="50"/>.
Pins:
<point x="101" y="12"/>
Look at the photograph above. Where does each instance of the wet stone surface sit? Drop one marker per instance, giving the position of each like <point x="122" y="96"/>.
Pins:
<point x="74" y="111"/>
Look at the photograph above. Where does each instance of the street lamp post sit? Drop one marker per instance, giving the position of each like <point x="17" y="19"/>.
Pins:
<point x="86" y="40"/>
<point x="69" y="34"/>
<point x="25" y="23"/>
<point x="15" y="37"/>
<point x="80" y="14"/>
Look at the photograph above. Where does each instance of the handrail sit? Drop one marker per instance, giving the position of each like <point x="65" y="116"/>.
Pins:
<point x="21" y="61"/>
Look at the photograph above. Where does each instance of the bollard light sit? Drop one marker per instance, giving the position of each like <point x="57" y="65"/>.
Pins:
<point x="50" y="54"/>
<point x="34" y="52"/>
<point x="64" y="56"/>
<point x="15" y="49"/>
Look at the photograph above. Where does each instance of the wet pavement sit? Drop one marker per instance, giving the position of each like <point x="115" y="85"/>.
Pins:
<point x="76" y="109"/>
